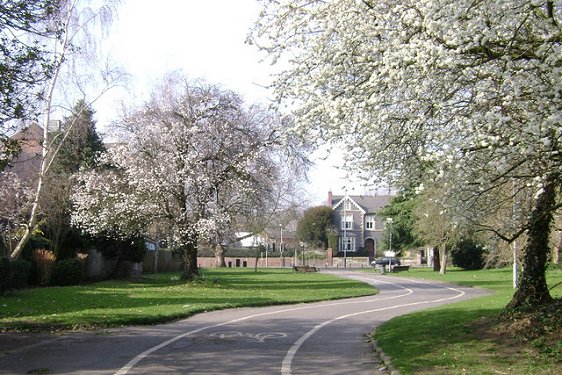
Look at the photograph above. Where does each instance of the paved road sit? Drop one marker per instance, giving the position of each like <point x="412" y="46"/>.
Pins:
<point x="317" y="338"/>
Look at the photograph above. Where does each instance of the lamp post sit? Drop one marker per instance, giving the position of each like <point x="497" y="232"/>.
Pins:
<point x="389" y="221"/>
<point x="344" y="242"/>
<point x="281" y="245"/>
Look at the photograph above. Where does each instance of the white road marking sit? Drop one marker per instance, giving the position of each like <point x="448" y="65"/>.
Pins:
<point x="133" y="362"/>
<point x="260" y="337"/>
<point x="287" y="361"/>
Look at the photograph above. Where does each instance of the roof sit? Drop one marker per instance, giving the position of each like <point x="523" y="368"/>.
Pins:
<point x="28" y="162"/>
<point x="368" y="203"/>
<point x="30" y="134"/>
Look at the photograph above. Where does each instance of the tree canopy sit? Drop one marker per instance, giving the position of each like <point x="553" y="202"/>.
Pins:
<point x="193" y="159"/>
<point x="25" y="64"/>
<point x="404" y="235"/>
<point x="456" y="93"/>
<point x="74" y="71"/>
<point x="314" y="226"/>
<point x="78" y="151"/>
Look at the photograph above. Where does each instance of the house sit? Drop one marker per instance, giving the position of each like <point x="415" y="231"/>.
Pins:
<point x="357" y="222"/>
<point x="28" y="163"/>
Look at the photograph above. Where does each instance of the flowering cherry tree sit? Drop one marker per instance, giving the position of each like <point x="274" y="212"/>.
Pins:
<point x="193" y="159"/>
<point x="460" y="93"/>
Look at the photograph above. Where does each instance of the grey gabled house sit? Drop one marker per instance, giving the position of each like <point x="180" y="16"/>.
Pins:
<point x="357" y="221"/>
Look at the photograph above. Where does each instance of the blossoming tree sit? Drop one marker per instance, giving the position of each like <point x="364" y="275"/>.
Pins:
<point x="193" y="159"/>
<point x="466" y="94"/>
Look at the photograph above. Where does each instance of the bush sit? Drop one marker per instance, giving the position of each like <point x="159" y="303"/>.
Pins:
<point x="44" y="259"/>
<point x="333" y="240"/>
<point x="66" y="272"/>
<point x="131" y="249"/>
<point x="20" y="273"/>
<point x="13" y="274"/>
<point x="5" y="275"/>
<point x="469" y="255"/>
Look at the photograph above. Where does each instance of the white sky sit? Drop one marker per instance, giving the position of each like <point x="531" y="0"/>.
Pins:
<point x="204" y="39"/>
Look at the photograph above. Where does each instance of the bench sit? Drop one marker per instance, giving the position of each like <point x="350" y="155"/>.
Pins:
<point x="304" y="269"/>
<point x="400" y="268"/>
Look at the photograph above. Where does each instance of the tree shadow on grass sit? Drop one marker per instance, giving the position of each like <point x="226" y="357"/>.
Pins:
<point x="455" y="340"/>
<point x="160" y="298"/>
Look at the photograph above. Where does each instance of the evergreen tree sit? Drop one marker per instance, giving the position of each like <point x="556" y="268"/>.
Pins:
<point x="78" y="148"/>
<point x="404" y="236"/>
<point x="313" y="227"/>
<point x="24" y="64"/>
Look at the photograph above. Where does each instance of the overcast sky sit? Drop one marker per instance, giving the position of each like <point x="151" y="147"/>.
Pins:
<point x="204" y="39"/>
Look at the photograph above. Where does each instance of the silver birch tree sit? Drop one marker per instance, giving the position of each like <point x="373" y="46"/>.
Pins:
<point x="76" y="20"/>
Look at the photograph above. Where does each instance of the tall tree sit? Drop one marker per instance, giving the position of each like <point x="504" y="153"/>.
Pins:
<point x="194" y="159"/>
<point x="314" y="226"/>
<point x="464" y="93"/>
<point x="25" y="64"/>
<point x="404" y="235"/>
<point x="73" y="60"/>
<point x="80" y="149"/>
<point x="437" y="226"/>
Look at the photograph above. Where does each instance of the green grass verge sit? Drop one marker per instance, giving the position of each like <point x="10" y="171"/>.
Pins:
<point x="163" y="297"/>
<point x="470" y="337"/>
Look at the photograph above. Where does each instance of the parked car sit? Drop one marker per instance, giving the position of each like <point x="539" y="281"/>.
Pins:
<point x="384" y="261"/>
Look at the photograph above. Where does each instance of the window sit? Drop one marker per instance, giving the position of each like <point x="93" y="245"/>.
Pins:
<point x="347" y="222"/>
<point x="347" y="205"/>
<point x="347" y="243"/>
<point x="370" y="223"/>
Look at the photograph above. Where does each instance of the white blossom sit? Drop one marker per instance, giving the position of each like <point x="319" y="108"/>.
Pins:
<point x="460" y="93"/>
<point x="194" y="160"/>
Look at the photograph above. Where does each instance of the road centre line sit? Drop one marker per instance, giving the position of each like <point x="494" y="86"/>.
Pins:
<point x="133" y="362"/>
<point x="287" y="361"/>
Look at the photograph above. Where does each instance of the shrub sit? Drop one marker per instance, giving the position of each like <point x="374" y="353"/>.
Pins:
<point x="469" y="255"/>
<point x="333" y="240"/>
<point x="5" y="275"/>
<point x="66" y="272"/>
<point x="131" y="249"/>
<point x="134" y="250"/>
<point x="13" y="274"/>
<point x="33" y="273"/>
<point x="44" y="259"/>
<point x="20" y="273"/>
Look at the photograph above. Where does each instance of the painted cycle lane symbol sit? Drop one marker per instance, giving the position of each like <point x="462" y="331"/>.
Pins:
<point x="260" y="337"/>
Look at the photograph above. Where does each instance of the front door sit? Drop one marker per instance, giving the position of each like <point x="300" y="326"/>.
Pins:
<point x="370" y="247"/>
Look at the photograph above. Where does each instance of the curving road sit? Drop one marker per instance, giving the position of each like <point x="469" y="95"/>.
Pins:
<point x="326" y="337"/>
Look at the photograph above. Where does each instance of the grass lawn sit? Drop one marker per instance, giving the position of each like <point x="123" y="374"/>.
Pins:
<point x="476" y="336"/>
<point x="164" y="297"/>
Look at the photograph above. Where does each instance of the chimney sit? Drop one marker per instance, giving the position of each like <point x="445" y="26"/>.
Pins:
<point x="330" y="199"/>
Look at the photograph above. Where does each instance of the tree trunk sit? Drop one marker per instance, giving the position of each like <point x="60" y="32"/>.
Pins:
<point x="436" y="259"/>
<point x="32" y="222"/>
<point x="220" y="252"/>
<point x="533" y="289"/>
<point x="156" y="254"/>
<point x="557" y="251"/>
<point x="190" y="269"/>
<point x="444" y="252"/>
